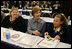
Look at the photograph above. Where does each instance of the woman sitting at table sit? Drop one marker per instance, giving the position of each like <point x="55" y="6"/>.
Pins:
<point x="14" y="21"/>
<point x="58" y="29"/>
<point x="36" y="26"/>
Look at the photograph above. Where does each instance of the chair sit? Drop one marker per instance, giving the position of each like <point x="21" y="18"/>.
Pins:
<point x="5" y="11"/>
<point x="23" y="12"/>
<point x="46" y="15"/>
<point x="54" y="14"/>
<point x="47" y="25"/>
<point x="69" y="34"/>
<point x="26" y="24"/>
<point x="27" y="13"/>
<point x="41" y="14"/>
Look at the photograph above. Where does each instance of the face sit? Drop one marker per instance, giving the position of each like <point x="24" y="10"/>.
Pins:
<point x="57" y="22"/>
<point x="27" y="2"/>
<point x="14" y="13"/>
<point x="4" y="2"/>
<point x="37" y="15"/>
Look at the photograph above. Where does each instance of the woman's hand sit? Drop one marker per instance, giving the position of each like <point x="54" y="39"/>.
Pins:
<point x="36" y="32"/>
<point x="57" y="37"/>
<point x="46" y="33"/>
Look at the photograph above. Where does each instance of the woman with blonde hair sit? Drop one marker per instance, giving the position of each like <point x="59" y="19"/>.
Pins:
<point x="14" y="21"/>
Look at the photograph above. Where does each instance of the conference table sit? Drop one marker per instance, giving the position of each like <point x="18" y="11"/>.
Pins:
<point x="46" y="19"/>
<point x="28" y="10"/>
<point x="26" y="40"/>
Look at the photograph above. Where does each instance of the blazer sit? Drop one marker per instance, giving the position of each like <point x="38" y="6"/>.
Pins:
<point x="18" y="24"/>
<point x="63" y="33"/>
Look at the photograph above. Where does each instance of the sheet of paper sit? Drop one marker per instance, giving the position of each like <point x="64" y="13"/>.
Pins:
<point x="14" y="34"/>
<point x="49" y="44"/>
<point x="28" y="40"/>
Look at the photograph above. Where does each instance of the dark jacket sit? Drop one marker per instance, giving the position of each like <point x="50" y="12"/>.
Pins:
<point x="18" y="24"/>
<point x="63" y="32"/>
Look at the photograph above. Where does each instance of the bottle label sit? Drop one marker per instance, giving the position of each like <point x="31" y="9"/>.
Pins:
<point x="7" y="36"/>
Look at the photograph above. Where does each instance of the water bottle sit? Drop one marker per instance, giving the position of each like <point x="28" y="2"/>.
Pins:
<point x="7" y="35"/>
<point x="21" y="13"/>
<point x="30" y="15"/>
<point x="25" y="7"/>
<point x="22" y="8"/>
<point x="68" y="18"/>
<point x="20" y="5"/>
<point x="50" y="8"/>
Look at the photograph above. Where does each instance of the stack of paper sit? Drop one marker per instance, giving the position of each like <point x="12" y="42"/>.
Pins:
<point x="48" y="44"/>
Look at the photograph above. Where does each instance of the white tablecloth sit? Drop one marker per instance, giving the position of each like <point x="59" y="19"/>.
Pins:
<point x="27" y="40"/>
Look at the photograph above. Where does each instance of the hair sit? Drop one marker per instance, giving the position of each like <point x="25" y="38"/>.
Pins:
<point x="35" y="9"/>
<point x="37" y="3"/>
<point x="14" y="8"/>
<point x="62" y="18"/>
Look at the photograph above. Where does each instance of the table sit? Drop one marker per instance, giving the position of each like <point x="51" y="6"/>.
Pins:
<point x="44" y="11"/>
<point x="46" y="19"/>
<point x="21" y="40"/>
